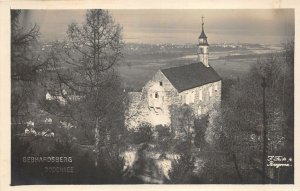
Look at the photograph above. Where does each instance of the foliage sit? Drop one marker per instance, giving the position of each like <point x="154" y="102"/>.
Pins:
<point x="242" y="111"/>
<point x="163" y="132"/>
<point x="182" y="122"/>
<point x="164" y="138"/>
<point x="217" y="170"/>
<point x="200" y="129"/>
<point x="62" y="148"/>
<point x="182" y="169"/>
<point x="182" y="146"/>
<point x="110" y="166"/>
<point x="144" y="169"/>
<point x="144" y="134"/>
<point x="26" y="66"/>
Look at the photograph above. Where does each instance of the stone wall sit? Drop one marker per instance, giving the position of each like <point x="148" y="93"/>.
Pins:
<point x="154" y="101"/>
<point x="152" y="104"/>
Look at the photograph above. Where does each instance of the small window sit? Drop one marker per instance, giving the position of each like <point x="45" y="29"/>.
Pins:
<point x="192" y="97"/>
<point x="200" y="94"/>
<point x="187" y="98"/>
<point x="182" y="99"/>
<point x="161" y="83"/>
<point x="156" y="95"/>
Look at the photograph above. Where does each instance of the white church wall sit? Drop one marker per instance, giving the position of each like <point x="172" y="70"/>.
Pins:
<point x="155" y="110"/>
<point x="202" y="99"/>
<point x="150" y="108"/>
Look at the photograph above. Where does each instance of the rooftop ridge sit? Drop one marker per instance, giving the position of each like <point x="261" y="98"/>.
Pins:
<point x="181" y="66"/>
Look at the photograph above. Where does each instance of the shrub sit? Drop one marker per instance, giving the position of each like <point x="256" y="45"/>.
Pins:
<point x="144" y="134"/>
<point x="182" y="169"/>
<point x="164" y="137"/>
<point x="182" y="147"/>
<point x="163" y="132"/>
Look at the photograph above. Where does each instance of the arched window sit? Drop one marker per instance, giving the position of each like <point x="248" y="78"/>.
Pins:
<point x="200" y="94"/>
<point x="156" y="95"/>
<point x="210" y="91"/>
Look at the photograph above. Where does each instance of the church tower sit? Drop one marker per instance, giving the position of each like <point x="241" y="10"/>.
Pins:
<point x="202" y="51"/>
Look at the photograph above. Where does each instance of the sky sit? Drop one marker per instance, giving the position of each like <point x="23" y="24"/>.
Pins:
<point x="264" y="26"/>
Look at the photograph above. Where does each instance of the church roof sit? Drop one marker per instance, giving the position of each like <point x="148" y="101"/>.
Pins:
<point x="202" y="35"/>
<point x="190" y="76"/>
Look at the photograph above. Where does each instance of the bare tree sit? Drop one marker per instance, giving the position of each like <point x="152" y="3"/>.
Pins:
<point x="27" y="65"/>
<point x="84" y="75"/>
<point x="21" y="64"/>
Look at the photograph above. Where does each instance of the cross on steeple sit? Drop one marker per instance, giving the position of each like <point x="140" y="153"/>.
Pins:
<point x="202" y="35"/>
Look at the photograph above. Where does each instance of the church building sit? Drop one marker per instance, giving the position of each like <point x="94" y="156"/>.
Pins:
<point x="196" y="84"/>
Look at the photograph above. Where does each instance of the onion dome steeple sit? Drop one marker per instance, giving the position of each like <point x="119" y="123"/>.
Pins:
<point x="203" y="37"/>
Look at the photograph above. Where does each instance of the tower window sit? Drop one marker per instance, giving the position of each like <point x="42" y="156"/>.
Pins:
<point x="156" y="95"/>
<point x="161" y="83"/>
